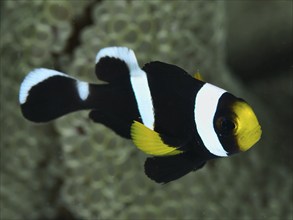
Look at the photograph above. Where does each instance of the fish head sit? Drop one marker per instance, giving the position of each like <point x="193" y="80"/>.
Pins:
<point x="236" y="124"/>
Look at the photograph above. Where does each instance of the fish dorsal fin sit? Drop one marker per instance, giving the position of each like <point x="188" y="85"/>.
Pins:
<point x="198" y="76"/>
<point x="150" y="141"/>
<point x="115" y="63"/>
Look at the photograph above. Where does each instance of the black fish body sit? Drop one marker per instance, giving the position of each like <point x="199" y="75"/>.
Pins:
<point x="179" y="120"/>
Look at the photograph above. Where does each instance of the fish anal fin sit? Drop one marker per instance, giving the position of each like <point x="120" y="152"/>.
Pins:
<point x="150" y="142"/>
<point x="166" y="169"/>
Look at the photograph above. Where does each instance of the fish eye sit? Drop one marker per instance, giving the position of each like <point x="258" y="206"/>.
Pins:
<point x="225" y="125"/>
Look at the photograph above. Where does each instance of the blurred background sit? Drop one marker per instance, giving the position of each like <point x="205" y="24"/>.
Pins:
<point x="74" y="169"/>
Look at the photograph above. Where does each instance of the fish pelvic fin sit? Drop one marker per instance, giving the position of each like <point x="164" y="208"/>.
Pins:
<point x="150" y="142"/>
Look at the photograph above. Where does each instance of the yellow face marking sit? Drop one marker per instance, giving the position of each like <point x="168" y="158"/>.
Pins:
<point x="247" y="130"/>
<point x="150" y="141"/>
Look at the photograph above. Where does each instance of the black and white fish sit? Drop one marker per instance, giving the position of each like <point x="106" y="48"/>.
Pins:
<point x="180" y="121"/>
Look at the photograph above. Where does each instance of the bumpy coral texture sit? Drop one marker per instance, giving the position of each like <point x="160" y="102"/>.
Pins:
<point x="73" y="168"/>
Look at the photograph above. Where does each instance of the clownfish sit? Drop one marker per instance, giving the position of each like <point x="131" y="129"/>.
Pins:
<point x="177" y="119"/>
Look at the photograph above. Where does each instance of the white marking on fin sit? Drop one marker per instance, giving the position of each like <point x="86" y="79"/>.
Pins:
<point x="33" y="78"/>
<point x="206" y="102"/>
<point x="138" y="81"/>
<point x="122" y="53"/>
<point x="83" y="89"/>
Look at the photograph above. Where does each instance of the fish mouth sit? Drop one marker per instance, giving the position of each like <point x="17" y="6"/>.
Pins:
<point x="256" y="134"/>
<point x="250" y="138"/>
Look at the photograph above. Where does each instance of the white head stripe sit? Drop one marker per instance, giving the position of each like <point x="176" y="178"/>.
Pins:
<point x="83" y="89"/>
<point x="138" y="81"/>
<point x="206" y="103"/>
<point x="33" y="78"/>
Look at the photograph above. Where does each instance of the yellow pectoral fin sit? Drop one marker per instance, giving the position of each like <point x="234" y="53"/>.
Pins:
<point x="198" y="76"/>
<point x="150" y="141"/>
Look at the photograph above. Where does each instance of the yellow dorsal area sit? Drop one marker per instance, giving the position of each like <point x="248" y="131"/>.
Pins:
<point x="150" y="141"/>
<point x="198" y="76"/>
<point x="248" y="130"/>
